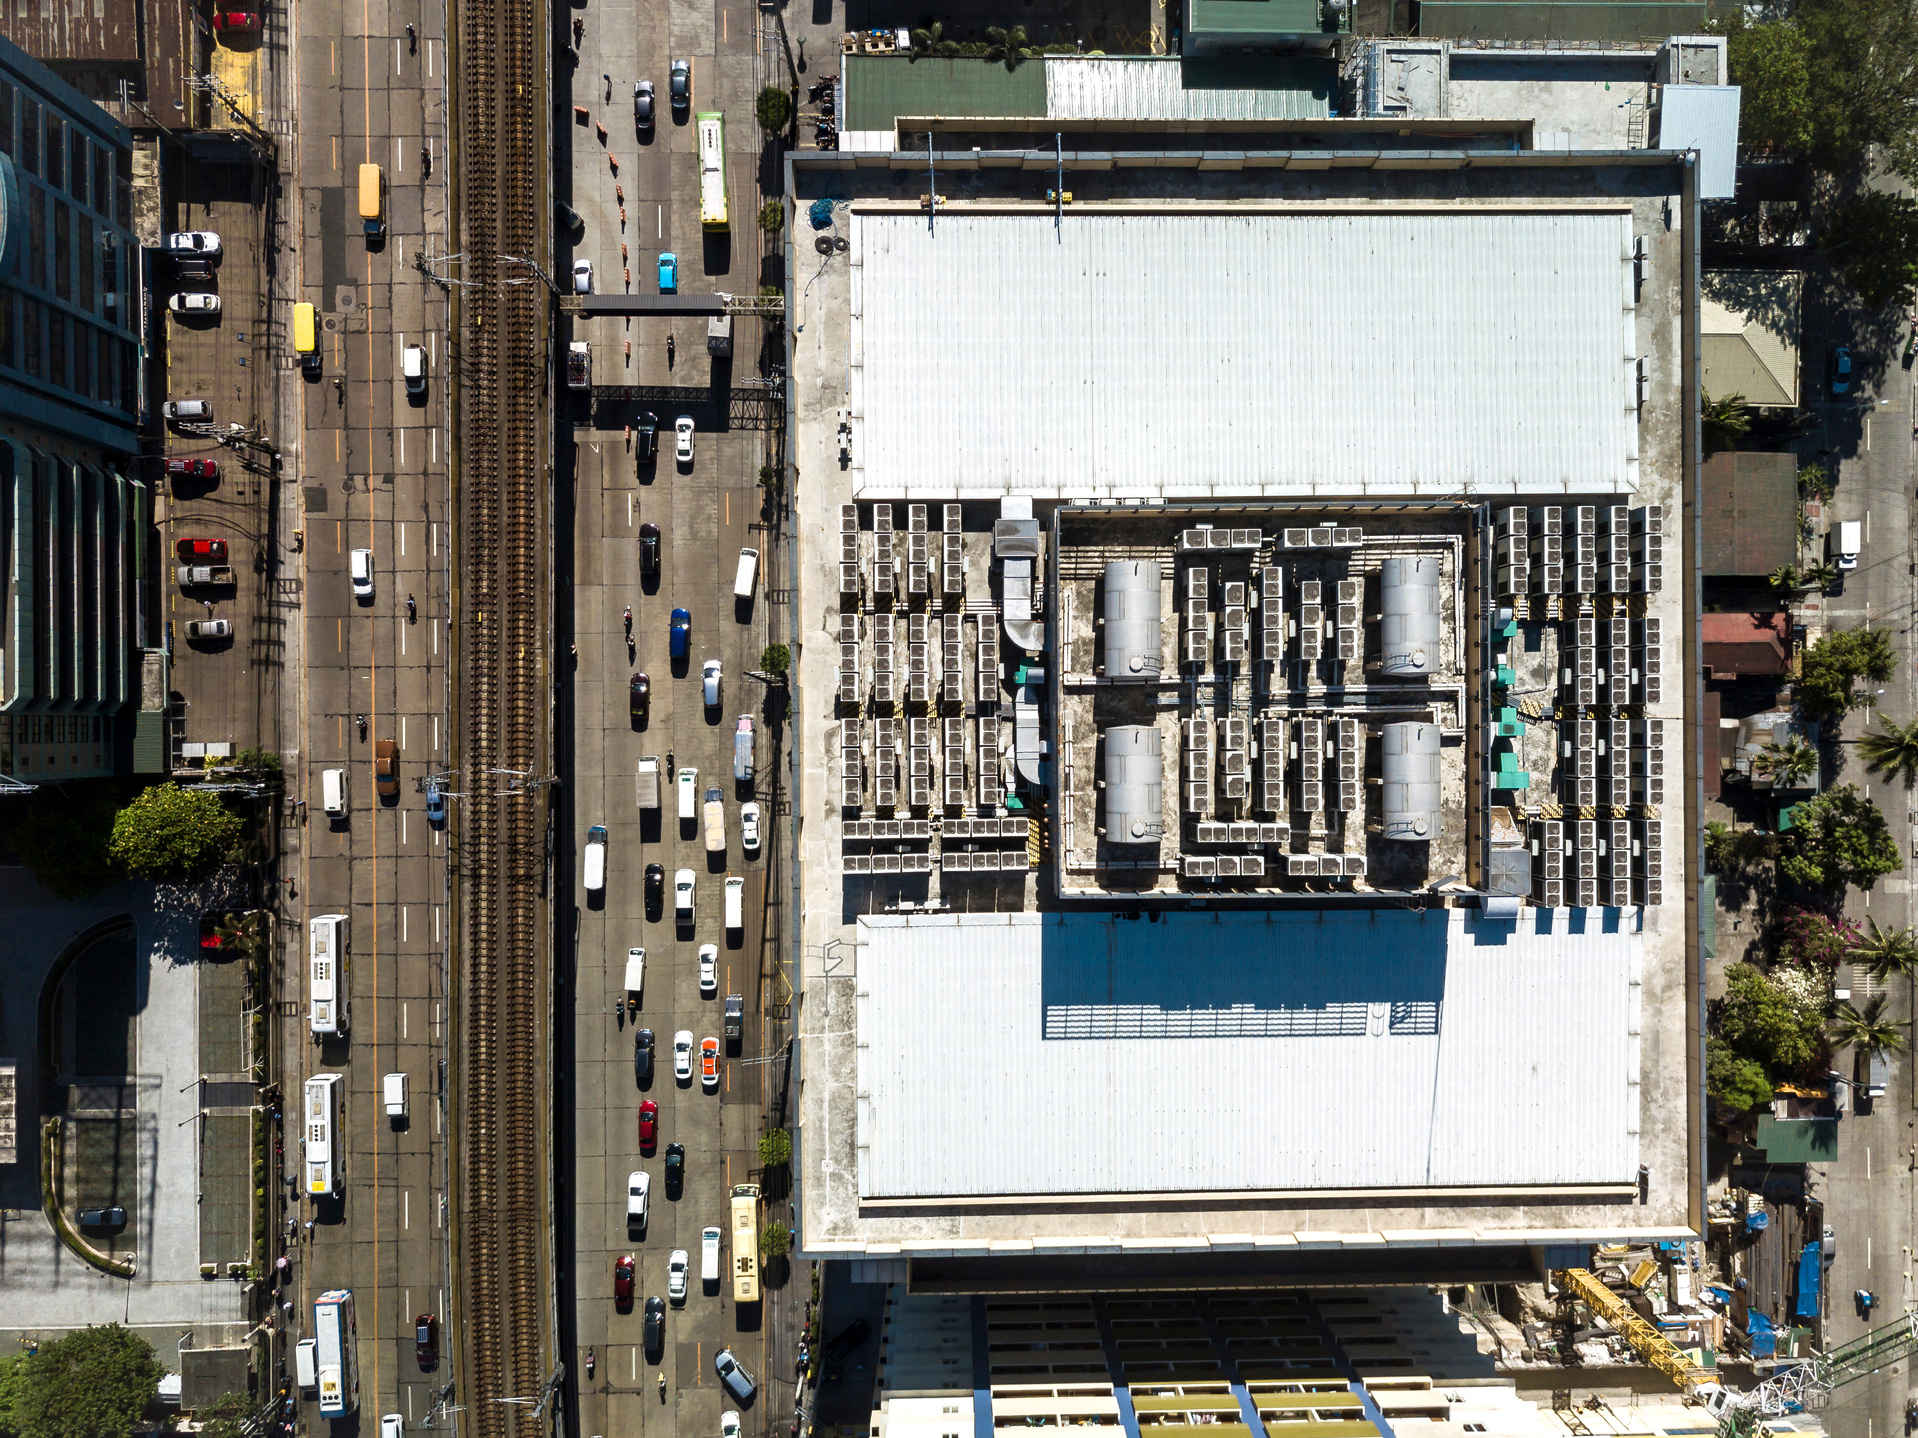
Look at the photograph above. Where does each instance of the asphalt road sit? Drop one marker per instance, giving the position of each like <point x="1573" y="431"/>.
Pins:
<point x="369" y="471"/>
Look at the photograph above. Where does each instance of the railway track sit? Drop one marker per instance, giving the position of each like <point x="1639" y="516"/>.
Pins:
<point x="500" y="1073"/>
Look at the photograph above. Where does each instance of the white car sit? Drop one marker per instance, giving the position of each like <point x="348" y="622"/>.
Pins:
<point x="361" y="568"/>
<point x="187" y="409"/>
<point x="683" y="895"/>
<point x="729" y="1424"/>
<point x="683" y="1055"/>
<point x="683" y="439"/>
<point x="193" y="244"/>
<point x="194" y="304"/>
<point x="639" y="1184"/>
<point x="582" y="277"/>
<point x="390" y="1423"/>
<point x="413" y="368"/>
<point x="749" y="827"/>
<point x="708" y="970"/>
<point x="676" y="1270"/>
<point x="710" y="677"/>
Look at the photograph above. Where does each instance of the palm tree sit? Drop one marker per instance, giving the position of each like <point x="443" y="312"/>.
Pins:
<point x="1820" y="574"/>
<point x="1012" y="46"/>
<point x="925" y="41"/>
<point x="242" y="933"/>
<point x="1726" y="421"/>
<point x="1893" y="753"/>
<point x="1866" y="1030"/>
<point x="1786" y="578"/>
<point x="1788" y="765"/>
<point x="1885" y="951"/>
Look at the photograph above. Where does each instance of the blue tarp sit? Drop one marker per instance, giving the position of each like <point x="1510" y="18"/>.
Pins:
<point x="1764" y="1341"/>
<point x="1810" y="1270"/>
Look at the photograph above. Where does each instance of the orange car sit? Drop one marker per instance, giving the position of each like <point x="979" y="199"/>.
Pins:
<point x="709" y="1062"/>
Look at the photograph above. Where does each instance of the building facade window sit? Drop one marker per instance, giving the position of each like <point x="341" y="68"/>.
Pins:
<point x="6" y="117"/>
<point x="36" y="237"/>
<point x="86" y="264"/>
<point x="102" y="192"/>
<point x="57" y="327"/>
<point x="31" y="360"/>
<point x="56" y="152"/>
<point x="77" y="166"/>
<point x="30" y="135"/>
<point x="62" y="249"/>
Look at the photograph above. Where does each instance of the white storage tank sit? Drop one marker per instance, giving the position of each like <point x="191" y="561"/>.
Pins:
<point x="1410" y="591"/>
<point x="1409" y="763"/>
<point x="1134" y="785"/>
<point x="1132" y="620"/>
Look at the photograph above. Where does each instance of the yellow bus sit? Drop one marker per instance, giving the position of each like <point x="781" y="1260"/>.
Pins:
<point x="306" y="336"/>
<point x="372" y="202"/>
<point x="746" y="1243"/>
<point x="712" y="169"/>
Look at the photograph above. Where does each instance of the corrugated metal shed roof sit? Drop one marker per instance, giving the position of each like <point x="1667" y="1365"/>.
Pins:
<point x="1747" y="513"/>
<point x="1558" y="20"/>
<point x="1703" y="118"/>
<point x="1169" y="88"/>
<point x="1243" y="1051"/>
<point x="1254" y="17"/>
<point x="879" y="88"/>
<point x="1231" y="353"/>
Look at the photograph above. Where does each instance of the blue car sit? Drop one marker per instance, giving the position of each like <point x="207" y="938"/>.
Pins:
<point x="668" y="272"/>
<point x="435" y="804"/>
<point x="682" y="628"/>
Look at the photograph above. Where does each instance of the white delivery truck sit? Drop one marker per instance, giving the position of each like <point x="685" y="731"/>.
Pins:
<point x="1845" y="540"/>
<point x="646" y="782"/>
<point x="735" y="905"/>
<point x="595" y="858"/>
<point x="747" y="572"/>
<point x="306" y="1368"/>
<point x="393" y="1090"/>
<point x="709" y="1255"/>
<point x="714" y="815"/>
<point x="688" y="795"/>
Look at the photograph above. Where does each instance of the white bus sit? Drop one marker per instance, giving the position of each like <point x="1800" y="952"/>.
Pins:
<point x="711" y="125"/>
<point x="323" y="1153"/>
<point x="338" y="1340"/>
<point x="329" y="966"/>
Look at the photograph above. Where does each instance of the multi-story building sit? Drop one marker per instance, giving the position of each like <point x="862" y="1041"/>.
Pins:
<point x="74" y="511"/>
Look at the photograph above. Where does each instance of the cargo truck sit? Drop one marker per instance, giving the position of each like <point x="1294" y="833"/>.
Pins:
<point x="646" y="782"/>
<point x="193" y="574"/>
<point x="579" y="365"/>
<point x="714" y="814"/>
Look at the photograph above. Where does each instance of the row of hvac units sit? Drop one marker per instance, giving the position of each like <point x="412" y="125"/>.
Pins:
<point x="912" y="763"/>
<point x="1586" y="864"/>
<point x="1134" y="777"/>
<point x="1612" y="662"/>
<point x="1411" y="594"/>
<point x="1615" y="762"/>
<point x="930" y="671"/>
<point x="922" y="579"/>
<point x="1006" y="828"/>
<point x="996" y="861"/>
<point x="1607" y="549"/>
<point x="969" y="831"/>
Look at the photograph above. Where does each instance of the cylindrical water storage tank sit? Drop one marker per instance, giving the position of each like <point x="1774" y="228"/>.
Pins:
<point x="1411" y="591"/>
<point x="1409" y="756"/>
<point x="1132" y="609"/>
<point x="1135" y="802"/>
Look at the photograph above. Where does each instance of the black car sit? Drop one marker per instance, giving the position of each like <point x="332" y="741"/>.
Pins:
<point x="115" y="1217"/>
<point x="675" y="1168"/>
<point x="643" y="106"/>
<point x="648" y="437"/>
<point x="655" y="888"/>
<point x="640" y="696"/>
<point x="679" y="87"/>
<point x="569" y="218"/>
<point x="655" y="1325"/>
<point x="426" y="1340"/>
<point x="643" y="1056"/>
<point x="849" y="1338"/>
<point x="648" y="551"/>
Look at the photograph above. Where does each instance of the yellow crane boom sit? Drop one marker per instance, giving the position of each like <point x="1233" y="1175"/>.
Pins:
<point x="1651" y="1345"/>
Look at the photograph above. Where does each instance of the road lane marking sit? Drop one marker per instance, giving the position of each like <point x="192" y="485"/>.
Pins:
<point x="339" y="636"/>
<point x="402" y="529"/>
<point x="402" y="840"/>
<point x="406" y="1208"/>
<point x="404" y="1008"/>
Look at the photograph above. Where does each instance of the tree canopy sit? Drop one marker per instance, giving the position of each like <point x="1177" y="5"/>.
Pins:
<point x="1837" y="662"/>
<point x="1739" y="1083"/>
<point x="1837" y="839"/>
<point x="170" y="833"/>
<point x="1874" y="242"/>
<point x="63" y="837"/>
<point x="1776" y="1025"/>
<point x="94" y="1383"/>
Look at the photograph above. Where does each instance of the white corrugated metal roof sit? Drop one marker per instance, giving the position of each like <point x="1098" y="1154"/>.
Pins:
<point x="1081" y="1053"/>
<point x="1155" y="87"/>
<point x="1703" y="118"/>
<point x="1199" y="354"/>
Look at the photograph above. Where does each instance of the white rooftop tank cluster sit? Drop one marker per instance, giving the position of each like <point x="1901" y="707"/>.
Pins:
<point x="1133" y="613"/>
<point x="1134" y="785"/>
<point x="1411" y="593"/>
<point x="1409" y="764"/>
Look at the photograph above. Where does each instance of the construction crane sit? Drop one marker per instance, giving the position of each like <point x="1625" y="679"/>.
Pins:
<point x="1742" y="1415"/>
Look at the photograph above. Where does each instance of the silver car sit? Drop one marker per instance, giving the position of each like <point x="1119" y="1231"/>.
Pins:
<point x="643" y="106"/>
<point x="738" y="1381"/>
<point x="676" y="1270"/>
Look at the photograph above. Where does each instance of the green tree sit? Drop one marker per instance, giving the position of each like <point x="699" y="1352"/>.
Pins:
<point x="1788" y="765"/>
<point x="1820" y="574"/>
<point x="775" y="659"/>
<point x="775" y="1240"/>
<point x="257" y="761"/>
<point x="91" y="1384"/>
<point x="1738" y="1083"/>
<point x="1810" y="940"/>
<point x="1011" y="46"/>
<point x="772" y="216"/>
<point x="775" y="1148"/>
<point x="63" y="837"/>
<point x="774" y="108"/>
<point x="1893" y="753"/>
<point x="1727" y="849"/>
<point x="1874" y="243"/>
<point x="1838" y="838"/>
<point x="1837" y="662"/>
<point x="1815" y="482"/>
<point x="1767" y="1022"/>
<point x="1885" y="951"/>
<point x="1863" y="80"/>
<point x="1785" y="579"/>
<point x="927" y="41"/>
<point x="1771" y="61"/>
<point x="1726" y="420"/>
<point x="1866" y="1030"/>
<point x="170" y="833"/>
<point x="224" y="1417"/>
<point x="243" y="934"/>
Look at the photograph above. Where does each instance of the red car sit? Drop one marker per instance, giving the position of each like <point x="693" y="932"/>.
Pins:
<point x="236" y="22"/>
<point x="648" y="1124"/>
<point x="194" y="468"/>
<point x="201" y="551"/>
<point x="623" y="1281"/>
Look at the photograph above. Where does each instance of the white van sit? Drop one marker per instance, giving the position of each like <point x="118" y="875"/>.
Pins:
<point x="306" y="1372"/>
<point x="393" y="1090"/>
<point x="709" y="1255"/>
<point x="747" y="572"/>
<point x="333" y="791"/>
<point x="362" y="570"/>
<point x="688" y="794"/>
<point x="595" y="876"/>
<point x="413" y="368"/>
<point x="735" y="904"/>
<point x="1844" y="540"/>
